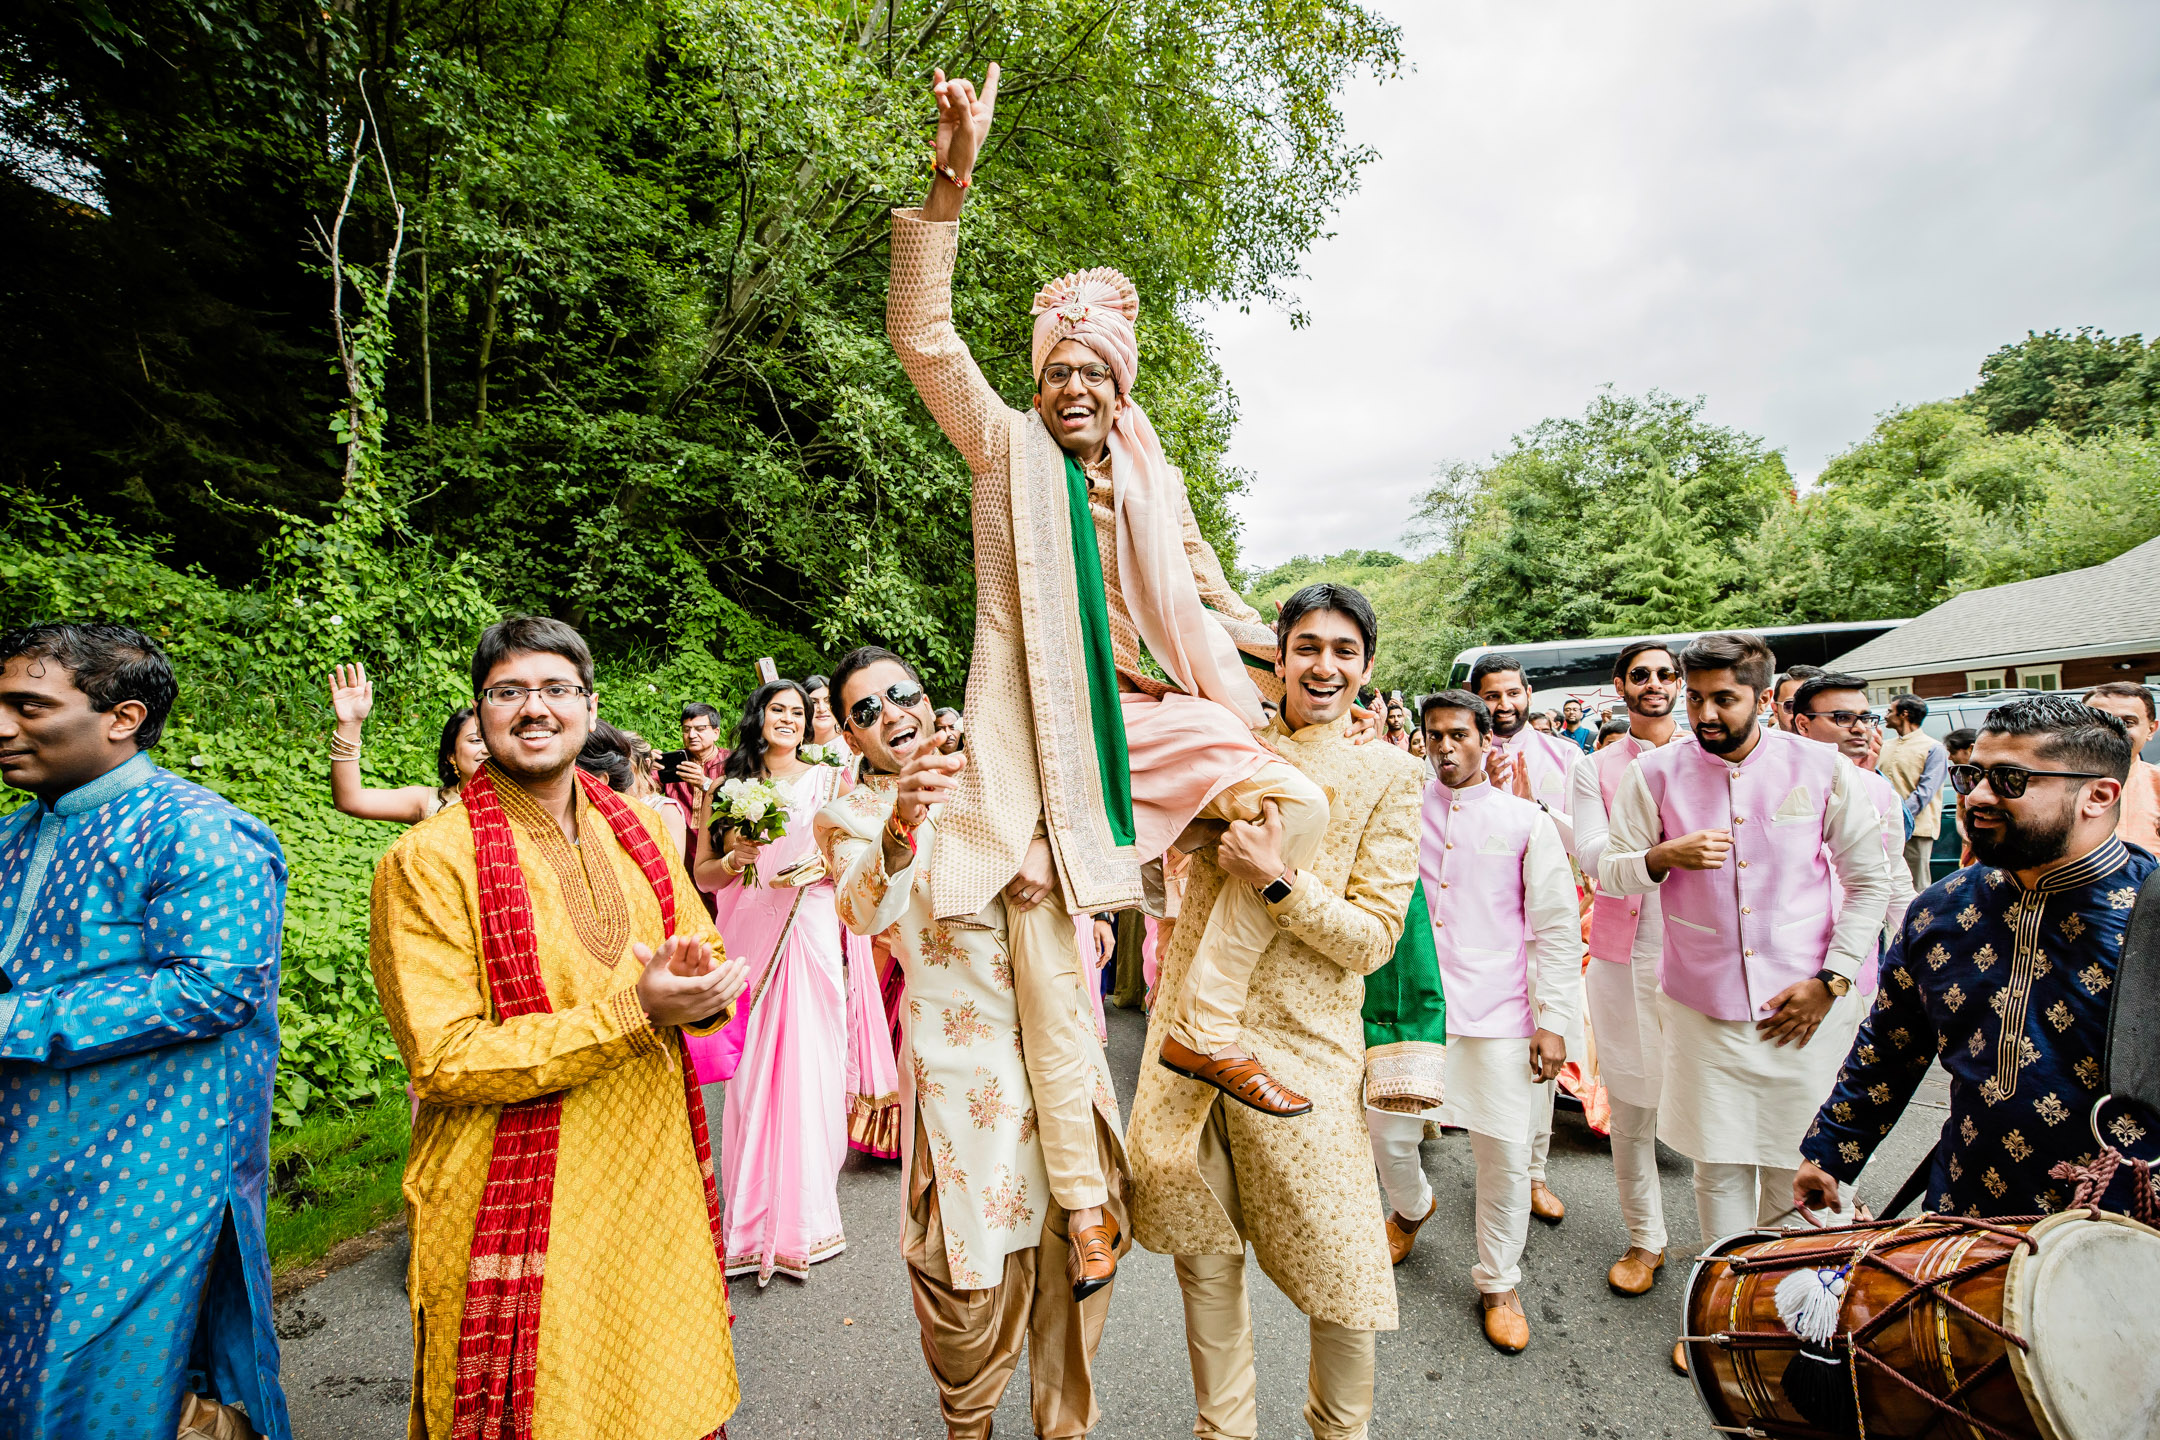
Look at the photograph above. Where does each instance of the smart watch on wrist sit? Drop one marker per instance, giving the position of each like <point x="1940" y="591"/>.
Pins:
<point x="1277" y="890"/>
<point x="1835" y="983"/>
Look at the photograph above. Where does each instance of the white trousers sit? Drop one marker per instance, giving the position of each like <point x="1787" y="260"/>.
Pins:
<point x="1732" y="1198"/>
<point x="1541" y="1139"/>
<point x="1634" y="1163"/>
<point x="1395" y="1155"/>
<point x="1503" y="1211"/>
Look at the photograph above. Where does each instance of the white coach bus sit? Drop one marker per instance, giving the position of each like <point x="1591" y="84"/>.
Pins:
<point x="1562" y="670"/>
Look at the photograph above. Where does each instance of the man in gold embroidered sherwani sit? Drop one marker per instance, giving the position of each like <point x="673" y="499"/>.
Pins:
<point x="1084" y="765"/>
<point x="987" y="1254"/>
<point x="1210" y="1177"/>
<point x="564" y="1277"/>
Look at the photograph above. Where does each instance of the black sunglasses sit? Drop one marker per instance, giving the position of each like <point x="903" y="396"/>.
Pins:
<point x="904" y="693"/>
<point x="2009" y="781"/>
<point x="1643" y="675"/>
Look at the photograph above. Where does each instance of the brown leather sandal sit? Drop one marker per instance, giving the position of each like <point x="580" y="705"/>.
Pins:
<point x="1240" y="1077"/>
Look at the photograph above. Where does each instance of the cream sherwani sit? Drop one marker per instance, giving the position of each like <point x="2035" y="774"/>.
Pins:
<point x="984" y="1244"/>
<point x="1212" y="1175"/>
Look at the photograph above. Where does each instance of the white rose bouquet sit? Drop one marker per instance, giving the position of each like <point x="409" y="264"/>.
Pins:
<point x="832" y="753"/>
<point x="752" y="808"/>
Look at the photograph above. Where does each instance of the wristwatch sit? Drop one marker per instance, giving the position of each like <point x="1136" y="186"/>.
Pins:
<point x="1277" y="890"/>
<point x="1835" y="983"/>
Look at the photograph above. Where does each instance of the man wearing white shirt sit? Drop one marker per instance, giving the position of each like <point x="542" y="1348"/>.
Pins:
<point x="1747" y="836"/>
<point x="1509" y="942"/>
<point x="1538" y="767"/>
<point x="1627" y="939"/>
<point x="1831" y="709"/>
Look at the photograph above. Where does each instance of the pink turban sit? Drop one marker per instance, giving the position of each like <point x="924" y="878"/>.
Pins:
<point x="1096" y="308"/>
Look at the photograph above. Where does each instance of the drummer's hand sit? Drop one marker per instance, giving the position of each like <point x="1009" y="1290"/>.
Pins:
<point x="1793" y="1014"/>
<point x="1813" y="1188"/>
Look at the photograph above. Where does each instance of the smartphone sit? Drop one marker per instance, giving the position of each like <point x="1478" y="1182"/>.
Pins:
<point x="667" y="762"/>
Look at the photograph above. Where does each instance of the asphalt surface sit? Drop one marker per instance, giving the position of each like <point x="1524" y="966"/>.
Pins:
<point x="839" y="1355"/>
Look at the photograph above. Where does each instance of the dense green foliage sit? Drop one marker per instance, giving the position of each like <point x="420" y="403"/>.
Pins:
<point x="1638" y="517"/>
<point x="336" y="1175"/>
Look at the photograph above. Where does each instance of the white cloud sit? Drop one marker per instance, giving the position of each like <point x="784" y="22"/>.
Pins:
<point x="1808" y="212"/>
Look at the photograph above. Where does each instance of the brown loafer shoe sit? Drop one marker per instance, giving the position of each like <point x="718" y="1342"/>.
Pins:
<point x="1240" y="1077"/>
<point x="1546" y="1205"/>
<point x="1635" y="1272"/>
<point x="1091" y="1257"/>
<point x="1679" y="1357"/>
<point x="1402" y="1234"/>
<point x="202" y="1418"/>
<point x="1505" y="1324"/>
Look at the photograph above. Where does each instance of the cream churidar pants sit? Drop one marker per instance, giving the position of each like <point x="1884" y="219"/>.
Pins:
<point x="1731" y="1198"/>
<point x="1208" y="1013"/>
<point x="1395" y="1140"/>
<point x="1634" y="1163"/>
<point x="1058" y="1044"/>
<point x="1503" y="1211"/>
<point x="1219" y="1340"/>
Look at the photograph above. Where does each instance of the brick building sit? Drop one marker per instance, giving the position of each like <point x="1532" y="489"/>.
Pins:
<point x="2059" y="632"/>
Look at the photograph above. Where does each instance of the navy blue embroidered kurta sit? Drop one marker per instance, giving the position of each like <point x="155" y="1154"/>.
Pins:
<point x="140" y="923"/>
<point x="2009" y="988"/>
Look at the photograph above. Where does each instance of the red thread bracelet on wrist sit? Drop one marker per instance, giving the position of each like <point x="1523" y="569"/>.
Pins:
<point x="958" y="181"/>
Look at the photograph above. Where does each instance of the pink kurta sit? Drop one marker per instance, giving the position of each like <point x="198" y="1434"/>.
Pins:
<point x="783" y="1127"/>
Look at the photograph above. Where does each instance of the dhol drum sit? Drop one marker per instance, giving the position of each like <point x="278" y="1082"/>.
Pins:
<point x="2013" y="1329"/>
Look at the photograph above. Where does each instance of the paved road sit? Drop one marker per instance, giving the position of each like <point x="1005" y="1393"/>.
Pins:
<point x="1596" y="1366"/>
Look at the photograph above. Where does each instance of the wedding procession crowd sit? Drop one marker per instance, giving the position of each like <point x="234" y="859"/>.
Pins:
<point x="884" y="927"/>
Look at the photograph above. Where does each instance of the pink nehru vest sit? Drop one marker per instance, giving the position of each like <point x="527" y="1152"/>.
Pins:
<point x="1549" y="761"/>
<point x="1614" y="919"/>
<point x="1737" y="935"/>
<point x="1470" y="857"/>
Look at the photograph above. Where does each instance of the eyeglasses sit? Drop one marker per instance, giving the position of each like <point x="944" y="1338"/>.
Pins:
<point x="557" y="696"/>
<point x="1096" y="375"/>
<point x="1845" y="718"/>
<point x="2009" y="781"/>
<point x="904" y="693"/>
<point x="1643" y="674"/>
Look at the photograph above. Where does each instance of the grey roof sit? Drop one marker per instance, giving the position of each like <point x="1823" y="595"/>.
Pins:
<point x="2106" y="609"/>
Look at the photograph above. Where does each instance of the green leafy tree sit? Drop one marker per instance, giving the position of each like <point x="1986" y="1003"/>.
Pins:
<point x="2082" y="384"/>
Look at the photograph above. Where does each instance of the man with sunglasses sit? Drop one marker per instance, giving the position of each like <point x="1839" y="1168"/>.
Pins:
<point x="1086" y="762"/>
<point x="2003" y="972"/>
<point x="1748" y="836"/>
<point x="992" y="1261"/>
<point x="1788" y="685"/>
<point x="1626" y="941"/>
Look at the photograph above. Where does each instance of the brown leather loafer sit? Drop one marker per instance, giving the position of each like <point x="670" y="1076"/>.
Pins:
<point x="1240" y="1077"/>
<point x="1679" y="1357"/>
<point x="1505" y="1324"/>
<point x="1402" y="1234"/>
<point x="1635" y="1272"/>
<point x="202" y="1418"/>
<point x="1546" y="1205"/>
<point x="1091" y="1257"/>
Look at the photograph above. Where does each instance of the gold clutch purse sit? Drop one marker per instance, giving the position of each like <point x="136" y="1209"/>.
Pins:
<point x="806" y="871"/>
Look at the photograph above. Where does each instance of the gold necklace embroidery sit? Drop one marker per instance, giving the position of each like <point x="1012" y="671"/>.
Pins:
<point x="591" y="890"/>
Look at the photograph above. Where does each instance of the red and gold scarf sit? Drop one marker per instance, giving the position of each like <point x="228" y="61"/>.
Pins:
<point x="499" y="1340"/>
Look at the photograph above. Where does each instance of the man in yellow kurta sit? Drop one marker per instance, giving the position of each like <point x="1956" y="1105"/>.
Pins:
<point x="537" y="948"/>
<point x="1208" y="1177"/>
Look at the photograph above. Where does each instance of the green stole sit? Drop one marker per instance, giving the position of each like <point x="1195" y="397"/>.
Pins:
<point x="1402" y="998"/>
<point x="1106" y="715"/>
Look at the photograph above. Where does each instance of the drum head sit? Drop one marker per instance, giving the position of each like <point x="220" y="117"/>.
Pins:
<point x="2088" y="1302"/>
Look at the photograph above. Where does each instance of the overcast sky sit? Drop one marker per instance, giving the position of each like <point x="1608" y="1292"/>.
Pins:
<point x="1808" y="212"/>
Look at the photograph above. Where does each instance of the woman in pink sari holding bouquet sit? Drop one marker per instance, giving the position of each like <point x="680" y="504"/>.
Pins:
<point x="786" y="1056"/>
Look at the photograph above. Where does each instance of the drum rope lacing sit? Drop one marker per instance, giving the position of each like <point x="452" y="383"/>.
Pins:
<point x="2093" y="1180"/>
<point x="1923" y="1228"/>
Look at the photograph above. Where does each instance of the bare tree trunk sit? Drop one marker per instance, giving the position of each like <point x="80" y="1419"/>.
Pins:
<point x="487" y="340"/>
<point x="427" y="363"/>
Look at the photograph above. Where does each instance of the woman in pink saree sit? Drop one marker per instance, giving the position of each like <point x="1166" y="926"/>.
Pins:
<point x="787" y="1057"/>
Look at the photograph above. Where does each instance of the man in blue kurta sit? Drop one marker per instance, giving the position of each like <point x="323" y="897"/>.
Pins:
<point x="2003" y="971"/>
<point x="140" y="925"/>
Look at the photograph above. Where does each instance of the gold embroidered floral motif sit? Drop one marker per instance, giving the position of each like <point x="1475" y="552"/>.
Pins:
<point x="2028" y="1053"/>
<point x="2058" y="1015"/>
<point x="1994" y="878"/>
<point x="1975" y="1045"/>
<point x="1901" y="1037"/>
<point x="1954" y="997"/>
<point x="1842" y="1111"/>
<point x="2094" y="978"/>
<point x="2073" y="925"/>
<point x="2041" y="965"/>
<point x="964" y="1025"/>
<point x="2050" y="1108"/>
<point x="1991" y="1090"/>
<point x="1903" y="977"/>
<point x="1955" y="883"/>
<point x="2000" y="1001"/>
<point x="2122" y="899"/>
<point x="1005" y="1204"/>
<point x="1921" y="919"/>
<point x="2050" y="1201"/>
<point x="2017" y="1146"/>
<point x="1865" y="1054"/>
<point x="1879" y="1093"/>
<point x="1937" y="958"/>
<point x="987" y="1104"/>
<point x="1968" y="917"/>
<point x="925" y="1087"/>
<point x="1849" y="1151"/>
<point x="1996" y="1185"/>
<point x="1984" y="958"/>
<point x="937" y="946"/>
<point x="1970" y="1131"/>
<point x="2125" y="1130"/>
<point x="2087" y="1071"/>
<point x="1957" y="1169"/>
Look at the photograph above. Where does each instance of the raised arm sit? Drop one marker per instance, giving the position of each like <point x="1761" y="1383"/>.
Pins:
<point x="918" y="307"/>
<point x="870" y="894"/>
<point x="352" y="700"/>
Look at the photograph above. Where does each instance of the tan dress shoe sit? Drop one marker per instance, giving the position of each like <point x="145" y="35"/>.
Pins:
<point x="1679" y="1357"/>
<point x="1091" y="1257"/>
<point x="1241" y="1077"/>
<point x="1546" y="1205"/>
<point x="1635" y="1272"/>
<point x="1402" y="1234"/>
<point x="205" y="1419"/>
<point x="1505" y="1324"/>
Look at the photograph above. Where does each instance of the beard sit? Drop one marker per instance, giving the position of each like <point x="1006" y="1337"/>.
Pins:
<point x="511" y="759"/>
<point x="1724" y="743"/>
<point x="2025" y="846"/>
<point x="1506" y="722"/>
<point x="1650" y="707"/>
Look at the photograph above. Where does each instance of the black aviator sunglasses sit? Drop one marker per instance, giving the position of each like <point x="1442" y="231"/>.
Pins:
<point x="2008" y="781"/>
<point x="904" y="693"/>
